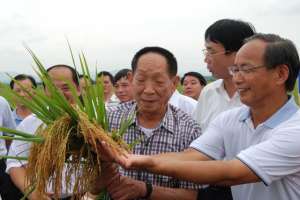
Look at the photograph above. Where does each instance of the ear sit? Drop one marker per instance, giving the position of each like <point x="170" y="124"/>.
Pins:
<point x="176" y="81"/>
<point x="78" y="90"/>
<point x="282" y="74"/>
<point x="130" y="77"/>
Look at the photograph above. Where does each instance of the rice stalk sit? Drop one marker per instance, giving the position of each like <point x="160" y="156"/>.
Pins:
<point x="67" y="145"/>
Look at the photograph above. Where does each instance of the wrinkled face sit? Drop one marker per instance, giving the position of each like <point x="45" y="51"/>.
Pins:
<point x="257" y="86"/>
<point x="152" y="84"/>
<point x="59" y="76"/>
<point x="217" y="60"/>
<point x="123" y="89"/>
<point x="27" y="85"/>
<point x="192" y="87"/>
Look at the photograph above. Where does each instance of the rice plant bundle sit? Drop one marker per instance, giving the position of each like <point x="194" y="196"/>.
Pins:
<point x="66" y="144"/>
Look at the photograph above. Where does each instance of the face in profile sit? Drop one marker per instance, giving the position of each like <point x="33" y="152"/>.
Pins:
<point x="218" y="59"/>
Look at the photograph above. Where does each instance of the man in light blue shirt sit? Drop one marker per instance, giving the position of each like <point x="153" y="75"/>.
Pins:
<point x="254" y="148"/>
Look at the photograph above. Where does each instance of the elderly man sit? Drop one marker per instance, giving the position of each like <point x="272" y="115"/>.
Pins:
<point x="16" y="169"/>
<point x="259" y="141"/>
<point x="158" y="126"/>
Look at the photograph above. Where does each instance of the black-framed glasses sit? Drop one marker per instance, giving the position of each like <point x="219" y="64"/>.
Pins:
<point x="243" y="70"/>
<point x="207" y="52"/>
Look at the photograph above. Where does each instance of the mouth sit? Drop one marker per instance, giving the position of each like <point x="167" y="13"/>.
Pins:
<point x="242" y="90"/>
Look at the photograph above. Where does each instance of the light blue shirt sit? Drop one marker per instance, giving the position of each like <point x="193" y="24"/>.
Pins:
<point x="271" y="150"/>
<point x="6" y="120"/>
<point x="17" y="118"/>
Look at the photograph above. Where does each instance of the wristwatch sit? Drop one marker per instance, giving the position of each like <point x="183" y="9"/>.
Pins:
<point x="149" y="189"/>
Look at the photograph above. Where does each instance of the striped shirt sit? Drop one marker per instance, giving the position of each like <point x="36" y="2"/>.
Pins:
<point x="175" y="133"/>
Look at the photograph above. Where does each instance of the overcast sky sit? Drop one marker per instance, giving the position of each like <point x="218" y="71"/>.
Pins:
<point x="110" y="32"/>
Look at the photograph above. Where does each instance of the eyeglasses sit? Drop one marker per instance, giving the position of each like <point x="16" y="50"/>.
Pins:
<point x="243" y="70"/>
<point x="207" y="52"/>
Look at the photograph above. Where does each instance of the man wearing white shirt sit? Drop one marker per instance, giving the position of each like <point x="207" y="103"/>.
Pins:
<point x="7" y="188"/>
<point x="16" y="169"/>
<point x="222" y="40"/>
<point x="253" y="148"/>
<point x="184" y="103"/>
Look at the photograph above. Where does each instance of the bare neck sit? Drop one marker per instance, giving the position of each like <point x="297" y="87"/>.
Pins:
<point x="107" y="96"/>
<point x="22" y="111"/>
<point x="150" y="120"/>
<point x="266" y="109"/>
<point x="229" y="87"/>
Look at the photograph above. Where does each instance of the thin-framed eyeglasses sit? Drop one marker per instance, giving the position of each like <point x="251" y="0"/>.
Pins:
<point x="207" y="52"/>
<point x="243" y="70"/>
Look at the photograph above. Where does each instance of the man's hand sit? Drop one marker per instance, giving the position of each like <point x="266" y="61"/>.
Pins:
<point x="109" y="174"/>
<point x="35" y="196"/>
<point x="127" y="189"/>
<point x="126" y="160"/>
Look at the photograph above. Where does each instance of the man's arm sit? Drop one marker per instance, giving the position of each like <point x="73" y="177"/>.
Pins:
<point x="230" y="172"/>
<point x="190" y="154"/>
<point x="18" y="176"/>
<point x="163" y="193"/>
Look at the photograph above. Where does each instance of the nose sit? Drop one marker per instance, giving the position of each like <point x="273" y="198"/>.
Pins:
<point x="23" y="93"/>
<point x="237" y="78"/>
<point x="206" y="59"/>
<point x="148" y="88"/>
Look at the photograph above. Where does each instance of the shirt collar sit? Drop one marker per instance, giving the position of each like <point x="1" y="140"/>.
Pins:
<point x="16" y="116"/>
<point x="283" y="114"/>
<point x="167" y="122"/>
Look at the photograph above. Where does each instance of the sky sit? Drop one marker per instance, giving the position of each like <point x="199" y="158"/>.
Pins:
<point x="110" y="32"/>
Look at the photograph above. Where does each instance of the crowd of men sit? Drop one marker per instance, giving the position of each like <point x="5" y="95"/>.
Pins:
<point x="234" y="138"/>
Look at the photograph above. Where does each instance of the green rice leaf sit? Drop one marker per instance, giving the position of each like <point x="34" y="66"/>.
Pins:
<point x="18" y="133"/>
<point x="34" y="140"/>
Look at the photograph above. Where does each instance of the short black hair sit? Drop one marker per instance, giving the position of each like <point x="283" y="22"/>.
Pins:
<point x="85" y="76"/>
<point x="106" y="73"/>
<point x="280" y="51"/>
<point x="21" y="77"/>
<point x="73" y="71"/>
<point x="230" y="33"/>
<point x="171" y="60"/>
<point x="196" y="75"/>
<point x="123" y="73"/>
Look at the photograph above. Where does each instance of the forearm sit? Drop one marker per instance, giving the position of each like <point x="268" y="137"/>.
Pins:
<point x="18" y="176"/>
<point x="205" y="172"/>
<point x="163" y="193"/>
<point x="189" y="154"/>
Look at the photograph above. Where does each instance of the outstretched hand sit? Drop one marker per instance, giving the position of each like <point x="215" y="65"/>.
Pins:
<point x="125" y="159"/>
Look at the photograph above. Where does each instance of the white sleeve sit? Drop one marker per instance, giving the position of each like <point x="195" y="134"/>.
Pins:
<point x="8" y="119"/>
<point x="18" y="148"/>
<point x="276" y="157"/>
<point x="211" y="142"/>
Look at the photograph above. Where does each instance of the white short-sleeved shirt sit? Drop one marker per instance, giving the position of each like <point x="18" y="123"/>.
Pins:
<point x="184" y="103"/>
<point x="212" y="101"/>
<point x="271" y="150"/>
<point x="21" y="149"/>
<point x="6" y="120"/>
